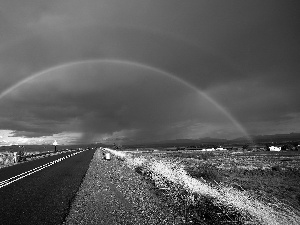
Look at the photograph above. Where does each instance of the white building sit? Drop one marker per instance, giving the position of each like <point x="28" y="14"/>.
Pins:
<point x="208" y="150"/>
<point x="275" y="149"/>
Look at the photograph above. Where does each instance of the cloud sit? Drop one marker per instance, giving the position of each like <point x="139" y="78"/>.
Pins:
<point x="106" y="98"/>
<point x="22" y="140"/>
<point x="263" y="109"/>
<point x="245" y="54"/>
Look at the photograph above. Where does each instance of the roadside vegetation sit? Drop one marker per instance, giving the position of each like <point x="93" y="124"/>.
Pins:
<point x="222" y="188"/>
<point x="7" y="157"/>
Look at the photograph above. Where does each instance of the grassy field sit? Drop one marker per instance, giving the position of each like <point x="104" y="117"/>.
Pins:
<point x="223" y="187"/>
<point x="265" y="174"/>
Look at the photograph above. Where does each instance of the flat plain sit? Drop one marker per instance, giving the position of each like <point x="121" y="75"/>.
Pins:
<point x="223" y="187"/>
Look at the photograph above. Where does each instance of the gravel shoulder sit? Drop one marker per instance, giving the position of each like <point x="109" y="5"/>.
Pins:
<point x="112" y="193"/>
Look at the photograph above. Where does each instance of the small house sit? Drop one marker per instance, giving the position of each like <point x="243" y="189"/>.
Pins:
<point x="275" y="148"/>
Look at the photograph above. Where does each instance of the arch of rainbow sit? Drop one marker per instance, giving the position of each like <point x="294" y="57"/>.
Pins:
<point x="136" y="64"/>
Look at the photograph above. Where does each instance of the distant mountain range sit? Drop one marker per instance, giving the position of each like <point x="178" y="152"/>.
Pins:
<point x="207" y="140"/>
<point x="277" y="137"/>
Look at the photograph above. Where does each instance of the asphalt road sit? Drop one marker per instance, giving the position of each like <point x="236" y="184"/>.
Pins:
<point x="45" y="196"/>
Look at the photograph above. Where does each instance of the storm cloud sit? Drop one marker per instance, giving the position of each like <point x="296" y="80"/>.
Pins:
<point x="243" y="55"/>
<point x="100" y="99"/>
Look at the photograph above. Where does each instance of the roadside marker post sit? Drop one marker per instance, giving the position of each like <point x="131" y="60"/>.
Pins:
<point x="55" y="144"/>
<point x="107" y="156"/>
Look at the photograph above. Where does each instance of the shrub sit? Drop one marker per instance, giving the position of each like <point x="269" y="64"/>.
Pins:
<point x="206" y="172"/>
<point x="206" y="155"/>
<point x="276" y="168"/>
<point x="143" y="171"/>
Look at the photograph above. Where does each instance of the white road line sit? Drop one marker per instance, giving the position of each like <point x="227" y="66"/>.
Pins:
<point x="29" y="172"/>
<point x="2" y="182"/>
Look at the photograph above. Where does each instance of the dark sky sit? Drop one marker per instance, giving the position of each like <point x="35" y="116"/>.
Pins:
<point x="139" y="71"/>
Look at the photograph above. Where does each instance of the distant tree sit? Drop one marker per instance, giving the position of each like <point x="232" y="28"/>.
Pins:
<point x="245" y="147"/>
<point x="295" y="144"/>
<point x="268" y="146"/>
<point x="292" y="146"/>
<point x="21" y="152"/>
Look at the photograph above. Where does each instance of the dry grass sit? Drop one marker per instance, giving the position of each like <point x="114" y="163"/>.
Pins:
<point x="6" y="159"/>
<point x="227" y="205"/>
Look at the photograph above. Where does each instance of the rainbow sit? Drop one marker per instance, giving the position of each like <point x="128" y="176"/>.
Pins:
<point x="139" y="65"/>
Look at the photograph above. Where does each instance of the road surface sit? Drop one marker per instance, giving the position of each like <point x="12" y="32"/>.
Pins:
<point x="45" y="196"/>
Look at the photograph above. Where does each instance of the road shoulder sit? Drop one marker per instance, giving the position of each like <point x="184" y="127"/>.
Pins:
<point x="112" y="193"/>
